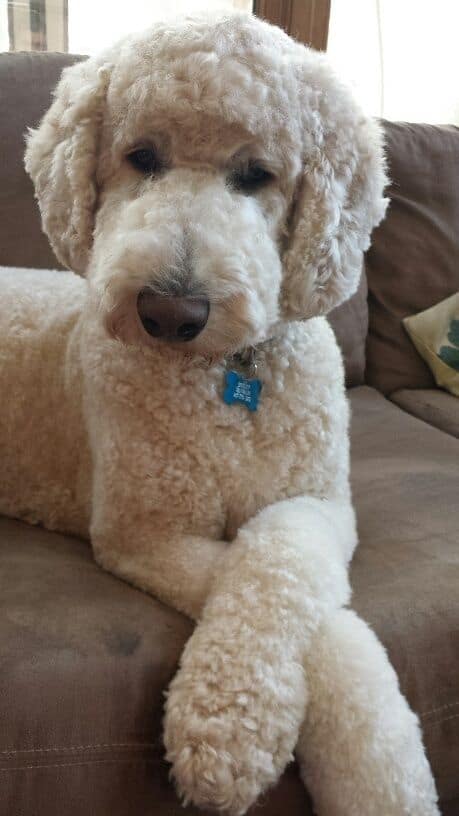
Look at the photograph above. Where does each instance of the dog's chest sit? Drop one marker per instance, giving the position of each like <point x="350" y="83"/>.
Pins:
<point x="211" y="465"/>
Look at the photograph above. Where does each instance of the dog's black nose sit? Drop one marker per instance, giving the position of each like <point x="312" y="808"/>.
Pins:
<point x="172" y="318"/>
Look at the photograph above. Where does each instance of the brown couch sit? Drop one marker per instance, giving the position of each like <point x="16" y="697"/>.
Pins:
<point x="85" y="658"/>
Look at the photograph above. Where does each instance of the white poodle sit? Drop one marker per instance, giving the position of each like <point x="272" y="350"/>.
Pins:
<point x="217" y="185"/>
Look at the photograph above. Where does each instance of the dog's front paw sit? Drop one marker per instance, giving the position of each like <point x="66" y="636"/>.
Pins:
<point x="210" y="777"/>
<point x="217" y="761"/>
<point x="231" y="727"/>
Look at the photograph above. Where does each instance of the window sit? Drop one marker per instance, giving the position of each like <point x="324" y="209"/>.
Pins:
<point x="401" y="56"/>
<point x="86" y="26"/>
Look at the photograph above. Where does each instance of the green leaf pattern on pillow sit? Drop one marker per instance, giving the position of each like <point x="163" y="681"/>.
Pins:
<point x="450" y="354"/>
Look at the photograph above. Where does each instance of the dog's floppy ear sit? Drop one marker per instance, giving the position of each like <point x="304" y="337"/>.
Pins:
<point x="339" y="200"/>
<point x="61" y="159"/>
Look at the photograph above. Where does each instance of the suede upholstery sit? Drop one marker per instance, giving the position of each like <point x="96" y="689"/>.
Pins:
<point x="85" y="658"/>
<point x="350" y="324"/>
<point x="413" y="262"/>
<point x="26" y="82"/>
<point x="433" y="405"/>
<point x="405" y="574"/>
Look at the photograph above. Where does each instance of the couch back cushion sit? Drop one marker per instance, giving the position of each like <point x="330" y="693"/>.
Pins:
<point x="350" y="324"/>
<point x="26" y="82"/>
<point x="413" y="262"/>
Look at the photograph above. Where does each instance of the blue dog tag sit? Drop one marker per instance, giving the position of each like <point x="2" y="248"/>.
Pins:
<point x="241" y="389"/>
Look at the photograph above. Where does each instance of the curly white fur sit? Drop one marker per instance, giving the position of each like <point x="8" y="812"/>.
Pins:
<point x="150" y="461"/>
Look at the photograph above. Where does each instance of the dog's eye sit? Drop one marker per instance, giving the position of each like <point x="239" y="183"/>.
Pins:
<point x="251" y="179"/>
<point x="144" y="159"/>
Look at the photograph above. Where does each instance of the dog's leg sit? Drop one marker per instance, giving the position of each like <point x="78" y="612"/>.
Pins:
<point x="177" y="570"/>
<point x="360" y="748"/>
<point x="235" y="708"/>
<point x="135" y="533"/>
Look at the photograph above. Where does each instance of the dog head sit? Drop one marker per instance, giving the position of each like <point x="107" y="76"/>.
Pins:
<point x="213" y="178"/>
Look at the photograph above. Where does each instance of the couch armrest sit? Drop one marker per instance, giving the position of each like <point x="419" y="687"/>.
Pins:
<point x="437" y="407"/>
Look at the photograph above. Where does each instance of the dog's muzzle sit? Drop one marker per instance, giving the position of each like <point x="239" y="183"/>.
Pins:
<point x="175" y="319"/>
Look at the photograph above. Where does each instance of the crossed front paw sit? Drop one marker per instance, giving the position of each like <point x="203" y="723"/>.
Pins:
<point x="212" y="777"/>
<point x="228" y="745"/>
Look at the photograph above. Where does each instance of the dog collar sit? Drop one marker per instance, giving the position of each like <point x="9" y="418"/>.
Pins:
<point x="242" y="384"/>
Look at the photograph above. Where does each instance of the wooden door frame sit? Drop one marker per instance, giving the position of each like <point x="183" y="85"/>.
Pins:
<point x="306" y="20"/>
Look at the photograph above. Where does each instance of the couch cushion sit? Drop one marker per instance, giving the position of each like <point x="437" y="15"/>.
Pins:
<point x="433" y="405"/>
<point x="405" y="480"/>
<point x="85" y="661"/>
<point x="26" y="81"/>
<point x="413" y="262"/>
<point x="85" y="657"/>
